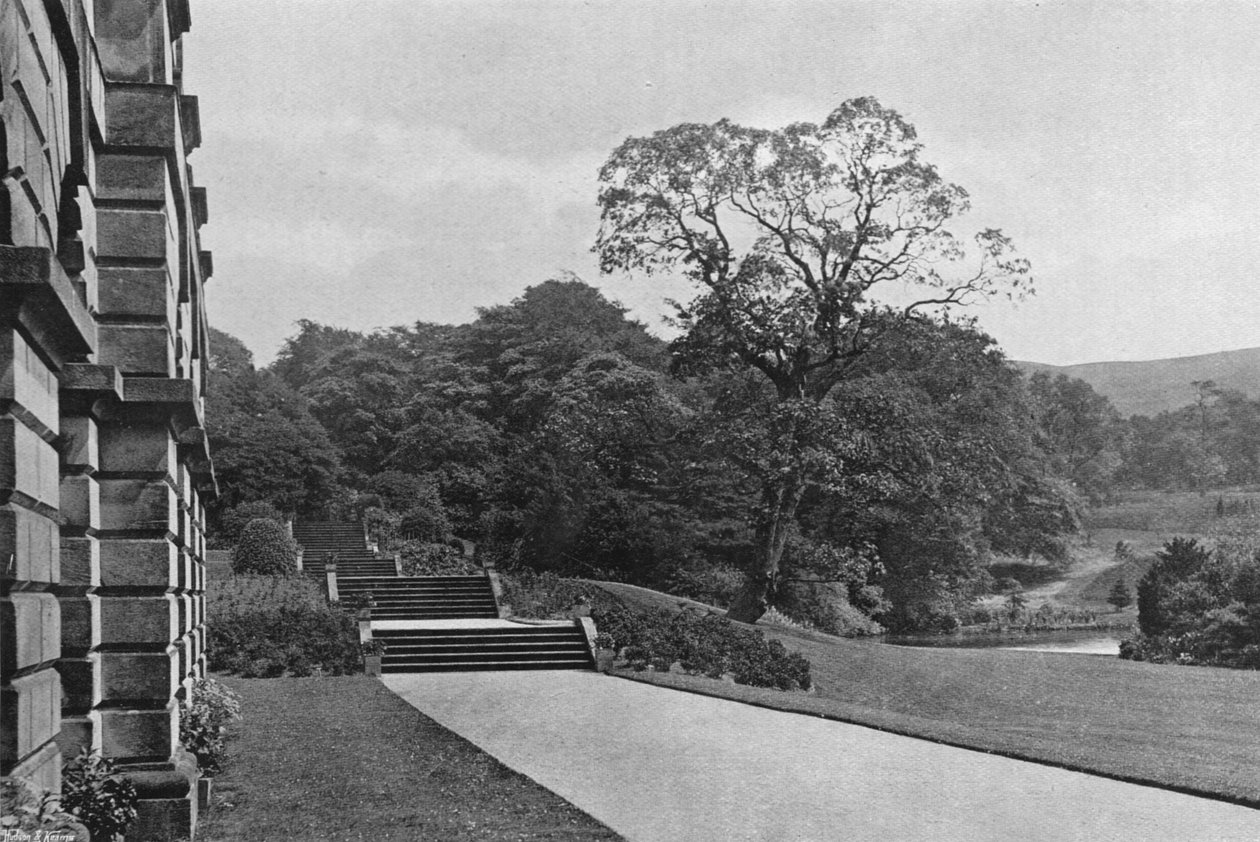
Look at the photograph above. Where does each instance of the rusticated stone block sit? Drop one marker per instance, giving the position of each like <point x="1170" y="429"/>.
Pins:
<point x="43" y="768"/>
<point x="141" y="115"/>
<point x="138" y="619"/>
<point x="30" y="540"/>
<point x="132" y="39"/>
<point x="80" y="562"/>
<point x="28" y="463"/>
<point x="30" y="626"/>
<point x="136" y="504"/>
<point x="141" y="562"/>
<point x="80" y="623"/>
<point x="24" y="378"/>
<point x="80" y="732"/>
<point x="30" y="713"/>
<point x="81" y="683"/>
<point x="130" y="676"/>
<point x="163" y="819"/>
<point x="137" y="349"/>
<point x="136" y="291"/>
<point x="132" y="177"/>
<point x="80" y="445"/>
<point x="136" y="448"/>
<point x="139" y="733"/>
<point x="80" y="501"/>
<point x="131" y="234"/>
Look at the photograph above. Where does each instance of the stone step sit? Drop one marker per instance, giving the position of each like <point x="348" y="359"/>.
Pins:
<point x="496" y="648"/>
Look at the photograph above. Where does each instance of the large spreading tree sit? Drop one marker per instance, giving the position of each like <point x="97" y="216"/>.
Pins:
<point x="789" y="235"/>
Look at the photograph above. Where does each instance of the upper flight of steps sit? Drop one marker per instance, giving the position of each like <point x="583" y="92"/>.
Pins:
<point x="424" y="597"/>
<point x="436" y="623"/>
<point x="345" y="538"/>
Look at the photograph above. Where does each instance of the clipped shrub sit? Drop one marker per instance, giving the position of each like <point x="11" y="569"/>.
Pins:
<point x="204" y="719"/>
<point x="547" y="596"/>
<point x="232" y="522"/>
<point x="270" y="626"/>
<point x="701" y="644"/>
<point x="97" y="796"/>
<point x="264" y="549"/>
<point x="28" y="811"/>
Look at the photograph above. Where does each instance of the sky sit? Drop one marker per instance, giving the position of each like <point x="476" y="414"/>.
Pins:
<point x="373" y="163"/>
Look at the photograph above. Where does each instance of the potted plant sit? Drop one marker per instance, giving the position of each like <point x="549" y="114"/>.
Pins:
<point x="605" y="652"/>
<point x="372" y="651"/>
<point x="203" y="725"/>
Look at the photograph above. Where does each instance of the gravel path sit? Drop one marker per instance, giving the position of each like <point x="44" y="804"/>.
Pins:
<point x="656" y="764"/>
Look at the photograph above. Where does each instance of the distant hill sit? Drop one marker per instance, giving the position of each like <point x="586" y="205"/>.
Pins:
<point x="1153" y="386"/>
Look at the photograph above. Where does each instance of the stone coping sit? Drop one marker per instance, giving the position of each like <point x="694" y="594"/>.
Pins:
<point x="464" y="623"/>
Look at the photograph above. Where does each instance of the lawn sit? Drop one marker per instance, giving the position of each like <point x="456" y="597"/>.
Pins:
<point x="344" y="758"/>
<point x="1193" y="729"/>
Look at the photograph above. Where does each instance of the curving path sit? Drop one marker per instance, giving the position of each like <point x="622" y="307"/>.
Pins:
<point x="657" y="764"/>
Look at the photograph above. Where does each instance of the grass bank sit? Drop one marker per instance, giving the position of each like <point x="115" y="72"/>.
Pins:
<point x="344" y="758"/>
<point x="1192" y="729"/>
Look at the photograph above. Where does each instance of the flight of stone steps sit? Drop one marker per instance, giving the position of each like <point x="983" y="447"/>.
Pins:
<point x="435" y="623"/>
<point x="423" y="597"/>
<point x="347" y="541"/>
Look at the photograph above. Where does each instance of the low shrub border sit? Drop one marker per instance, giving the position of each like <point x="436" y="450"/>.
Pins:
<point x="700" y="644"/>
<point x="269" y="626"/>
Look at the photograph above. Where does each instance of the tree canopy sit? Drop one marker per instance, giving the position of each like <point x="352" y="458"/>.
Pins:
<point x="787" y="236"/>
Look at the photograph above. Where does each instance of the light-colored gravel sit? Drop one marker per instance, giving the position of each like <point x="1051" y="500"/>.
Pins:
<point x="656" y="764"/>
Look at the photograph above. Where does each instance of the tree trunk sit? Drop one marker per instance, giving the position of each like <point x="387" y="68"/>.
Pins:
<point x="779" y="505"/>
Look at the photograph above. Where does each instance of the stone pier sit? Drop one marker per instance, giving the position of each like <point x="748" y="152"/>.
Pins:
<point x="104" y="469"/>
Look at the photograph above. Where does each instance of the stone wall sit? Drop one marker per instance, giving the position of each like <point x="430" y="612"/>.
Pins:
<point x="104" y="469"/>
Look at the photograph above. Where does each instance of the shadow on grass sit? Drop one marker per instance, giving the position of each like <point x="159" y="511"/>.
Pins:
<point x="344" y="758"/>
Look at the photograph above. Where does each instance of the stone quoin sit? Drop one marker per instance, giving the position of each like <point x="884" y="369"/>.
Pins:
<point x="104" y="468"/>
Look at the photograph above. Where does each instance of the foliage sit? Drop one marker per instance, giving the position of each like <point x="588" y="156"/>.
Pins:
<point x="1202" y="606"/>
<point x="264" y="549"/>
<point x="701" y="644"/>
<point x="1204" y="445"/>
<point x="203" y="722"/>
<point x="546" y="596"/>
<point x="232" y="521"/>
<point x="269" y="626"/>
<point x="1082" y="432"/>
<point x="97" y="796"/>
<point x="422" y="558"/>
<point x="266" y="444"/>
<point x="28" y="809"/>
<point x="1120" y="596"/>
<point x="382" y="526"/>
<point x="834" y="211"/>
<point x="425" y="522"/>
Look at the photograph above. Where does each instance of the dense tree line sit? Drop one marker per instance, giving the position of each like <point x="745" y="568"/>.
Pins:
<point x="562" y="436"/>
<point x="800" y="444"/>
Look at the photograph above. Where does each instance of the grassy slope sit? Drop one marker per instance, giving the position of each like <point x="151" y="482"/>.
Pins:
<point x="1189" y="728"/>
<point x="344" y="758"/>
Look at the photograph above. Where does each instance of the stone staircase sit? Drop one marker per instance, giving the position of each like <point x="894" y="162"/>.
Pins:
<point x="423" y="597"/>
<point x="509" y="646"/>
<point x="344" y="538"/>
<point x="435" y="623"/>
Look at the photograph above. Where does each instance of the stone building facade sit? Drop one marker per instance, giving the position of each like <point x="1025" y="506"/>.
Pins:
<point x="104" y="469"/>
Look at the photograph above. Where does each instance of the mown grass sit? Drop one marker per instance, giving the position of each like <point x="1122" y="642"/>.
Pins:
<point x="1193" y="729"/>
<point x="344" y="758"/>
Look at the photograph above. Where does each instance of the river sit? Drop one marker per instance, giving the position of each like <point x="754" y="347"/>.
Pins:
<point x="1075" y="642"/>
